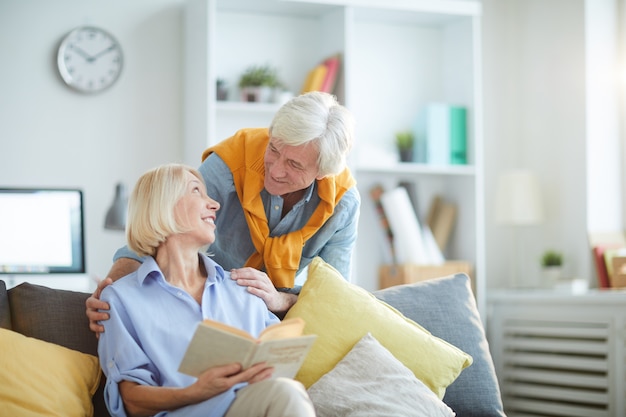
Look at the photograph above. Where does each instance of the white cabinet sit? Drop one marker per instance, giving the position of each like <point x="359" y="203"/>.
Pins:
<point x="558" y="354"/>
<point x="397" y="56"/>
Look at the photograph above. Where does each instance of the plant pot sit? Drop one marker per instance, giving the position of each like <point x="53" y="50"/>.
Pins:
<point x="406" y="155"/>
<point x="261" y="94"/>
<point x="221" y="92"/>
<point x="551" y="275"/>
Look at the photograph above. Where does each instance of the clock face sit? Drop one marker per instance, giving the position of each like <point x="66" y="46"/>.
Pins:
<point x="89" y="59"/>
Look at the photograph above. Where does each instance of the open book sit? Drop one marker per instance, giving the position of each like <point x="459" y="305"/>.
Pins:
<point x="281" y="345"/>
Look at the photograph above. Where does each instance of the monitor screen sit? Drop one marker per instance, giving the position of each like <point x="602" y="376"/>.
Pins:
<point x="41" y="231"/>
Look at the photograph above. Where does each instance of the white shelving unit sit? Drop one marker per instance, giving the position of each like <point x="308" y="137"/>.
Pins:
<point x="398" y="56"/>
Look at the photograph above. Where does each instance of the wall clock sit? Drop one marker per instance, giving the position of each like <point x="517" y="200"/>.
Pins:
<point x="89" y="59"/>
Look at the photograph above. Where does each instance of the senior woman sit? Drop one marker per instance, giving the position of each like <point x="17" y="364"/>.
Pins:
<point x="156" y="309"/>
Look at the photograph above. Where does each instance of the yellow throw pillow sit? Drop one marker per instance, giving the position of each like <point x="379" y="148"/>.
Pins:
<point x="341" y="313"/>
<point x="38" y="378"/>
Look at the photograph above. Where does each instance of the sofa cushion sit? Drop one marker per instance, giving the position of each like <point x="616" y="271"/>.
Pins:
<point x="38" y="378"/>
<point x="56" y="316"/>
<point x="447" y="308"/>
<point x="341" y="313"/>
<point x="370" y="382"/>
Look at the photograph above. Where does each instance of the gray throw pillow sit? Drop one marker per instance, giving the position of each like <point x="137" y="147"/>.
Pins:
<point x="370" y="382"/>
<point x="53" y="315"/>
<point x="447" y="308"/>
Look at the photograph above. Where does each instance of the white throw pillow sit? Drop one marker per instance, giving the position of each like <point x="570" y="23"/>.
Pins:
<point x="370" y="381"/>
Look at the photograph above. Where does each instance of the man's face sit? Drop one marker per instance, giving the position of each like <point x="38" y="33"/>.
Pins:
<point x="289" y="168"/>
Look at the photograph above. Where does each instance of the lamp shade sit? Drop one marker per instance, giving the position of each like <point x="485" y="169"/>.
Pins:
<point x="518" y="199"/>
<point x="116" y="215"/>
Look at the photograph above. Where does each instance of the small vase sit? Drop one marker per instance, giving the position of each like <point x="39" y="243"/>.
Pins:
<point x="406" y="155"/>
<point x="551" y="275"/>
<point x="221" y="92"/>
<point x="262" y="94"/>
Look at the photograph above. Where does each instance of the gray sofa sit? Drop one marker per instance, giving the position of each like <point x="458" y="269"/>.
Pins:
<point x="444" y="306"/>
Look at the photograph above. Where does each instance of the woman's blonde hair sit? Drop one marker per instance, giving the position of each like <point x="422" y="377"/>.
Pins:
<point x="151" y="207"/>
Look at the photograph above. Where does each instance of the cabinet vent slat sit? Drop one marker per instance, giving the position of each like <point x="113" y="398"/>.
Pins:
<point x="553" y="409"/>
<point x="558" y="378"/>
<point x="555" y="361"/>
<point x="557" y="329"/>
<point x="544" y="344"/>
<point x="562" y="394"/>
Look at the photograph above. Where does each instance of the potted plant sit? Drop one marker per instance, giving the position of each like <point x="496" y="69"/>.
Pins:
<point x="257" y="83"/>
<point x="405" y="141"/>
<point x="552" y="264"/>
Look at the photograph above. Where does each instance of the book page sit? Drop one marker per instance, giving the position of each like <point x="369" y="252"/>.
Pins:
<point x="285" y="355"/>
<point x="227" y="328"/>
<point x="286" y="328"/>
<point x="211" y="346"/>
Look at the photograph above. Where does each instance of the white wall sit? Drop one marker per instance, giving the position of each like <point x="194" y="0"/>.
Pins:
<point x="52" y="136"/>
<point x="534" y="79"/>
<point x="604" y="203"/>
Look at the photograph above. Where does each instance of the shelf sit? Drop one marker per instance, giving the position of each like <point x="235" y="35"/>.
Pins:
<point x="417" y="15"/>
<point x="282" y="7"/>
<point x="396" y="10"/>
<point x="246" y="107"/>
<point x="553" y="297"/>
<point x="403" y="168"/>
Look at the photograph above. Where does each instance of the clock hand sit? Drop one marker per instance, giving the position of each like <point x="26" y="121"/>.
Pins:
<point x="99" y="54"/>
<point x="82" y="53"/>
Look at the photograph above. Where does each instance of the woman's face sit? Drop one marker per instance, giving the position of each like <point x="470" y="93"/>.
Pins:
<point x="195" y="212"/>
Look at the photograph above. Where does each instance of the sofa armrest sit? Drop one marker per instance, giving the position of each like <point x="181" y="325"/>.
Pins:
<point x="53" y="315"/>
<point x="5" y="311"/>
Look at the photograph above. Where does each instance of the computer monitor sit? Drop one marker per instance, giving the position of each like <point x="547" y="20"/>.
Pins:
<point x="41" y="231"/>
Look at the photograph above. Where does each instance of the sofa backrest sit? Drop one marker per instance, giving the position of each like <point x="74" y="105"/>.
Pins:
<point x="55" y="316"/>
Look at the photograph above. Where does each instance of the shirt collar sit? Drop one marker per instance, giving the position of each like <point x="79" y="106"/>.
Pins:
<point x="150" y="269"/>
<point x="309" y="192"/>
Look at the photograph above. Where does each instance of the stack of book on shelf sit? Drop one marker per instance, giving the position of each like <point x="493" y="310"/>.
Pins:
<point x="441" y="135"/>
<point x="323" y="77"/>
<point x="416" y="246"/>
<point x="609" y="256"/>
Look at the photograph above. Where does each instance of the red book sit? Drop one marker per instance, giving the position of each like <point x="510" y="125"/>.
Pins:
<point x="601" y="269"/>
<point x="332" y="65"/>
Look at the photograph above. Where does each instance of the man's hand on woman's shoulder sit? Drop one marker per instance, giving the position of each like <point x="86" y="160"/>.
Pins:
<point x="259" y="284"/>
